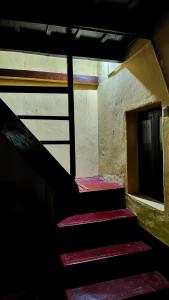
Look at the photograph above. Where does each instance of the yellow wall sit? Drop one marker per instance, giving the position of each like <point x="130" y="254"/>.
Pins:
<point x="161" y="44"/>
<point x="136" y="84"/>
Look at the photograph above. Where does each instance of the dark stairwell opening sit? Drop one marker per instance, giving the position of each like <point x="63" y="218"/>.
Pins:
<point x="150" y="153"/>
<point x="63" y="249"/>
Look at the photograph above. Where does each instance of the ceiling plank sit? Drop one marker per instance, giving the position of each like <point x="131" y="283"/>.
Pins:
<point x="106" y="16"/>
<point x="77" y="34"/>
<point x="57" y="44"/>
<point x="105" y="38"/>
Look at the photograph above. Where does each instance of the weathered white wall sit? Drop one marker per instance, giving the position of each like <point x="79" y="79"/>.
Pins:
<point x="86" y="125"/>
<point x="86" y="114"/>
<point x="105" y="69"/>
<point x="26" y="61"/>
<point x="86" y="129"/>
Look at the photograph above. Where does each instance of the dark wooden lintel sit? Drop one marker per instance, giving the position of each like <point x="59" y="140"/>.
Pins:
<point x="45" y="142"/>
<point x="46" y="75"/>
<point x="33" y="89"/>
<point x="33" y="117"/>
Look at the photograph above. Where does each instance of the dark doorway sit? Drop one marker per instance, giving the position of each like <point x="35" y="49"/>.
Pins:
<point x="150" y="153"/>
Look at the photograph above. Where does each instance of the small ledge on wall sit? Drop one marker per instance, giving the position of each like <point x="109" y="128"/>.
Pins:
<point x="10" y="77"/>
<point x="143" y="200"/>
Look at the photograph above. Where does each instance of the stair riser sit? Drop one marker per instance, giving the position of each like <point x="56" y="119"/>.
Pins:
<point x="101" y="200"/>
<point x="99" y="234"/>
<point x="163" y="295"/>
<point x="102" y="270"/>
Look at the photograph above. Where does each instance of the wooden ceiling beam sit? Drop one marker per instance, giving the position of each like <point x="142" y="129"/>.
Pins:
<point x="57" y="44"/>
<point x="77" y="34"/>
<point x="106" y="17"/>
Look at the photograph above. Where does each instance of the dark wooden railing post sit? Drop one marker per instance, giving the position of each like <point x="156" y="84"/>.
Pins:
<point x="71" y="107"/>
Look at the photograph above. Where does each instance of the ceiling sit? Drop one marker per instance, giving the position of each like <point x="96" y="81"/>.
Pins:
<point x="100" y="29"/>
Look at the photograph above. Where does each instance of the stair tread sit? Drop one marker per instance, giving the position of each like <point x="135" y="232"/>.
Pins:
<point x="111" y="251"/>
<point x="96" y="183"/>
<point x="119" y="289"/>
<point x="96" y="217"/>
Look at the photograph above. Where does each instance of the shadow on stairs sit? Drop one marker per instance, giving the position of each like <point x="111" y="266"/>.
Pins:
<point x="105" y="255"/>
<point x="99" y="253"/>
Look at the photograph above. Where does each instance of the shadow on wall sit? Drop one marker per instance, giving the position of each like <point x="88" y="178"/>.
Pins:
<point x="161" y="44"/>
<point x="35" y="192"/>
<point x="145" y="67"/>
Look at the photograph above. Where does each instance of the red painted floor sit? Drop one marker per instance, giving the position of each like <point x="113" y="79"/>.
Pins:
<point x="120" y="289"/>
<point x="96" y="217"/>
<point x="103" y="253"/>
<point x="96" y="183"/>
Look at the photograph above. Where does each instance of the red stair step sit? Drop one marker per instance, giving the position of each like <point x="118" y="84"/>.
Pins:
<point x="89" y="255"/>
<point x="96" y="183"/>
<point x="119" y="289"/>
<point x="96" y="217"/>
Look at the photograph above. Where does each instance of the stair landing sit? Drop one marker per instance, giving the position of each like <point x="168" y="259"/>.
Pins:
<point x="123" y="288"/>
<point x="96" y="183"/>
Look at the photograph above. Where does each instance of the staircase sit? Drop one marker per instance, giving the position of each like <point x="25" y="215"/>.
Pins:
<point x="103" y="255"/>
<point x="91" y="242"/>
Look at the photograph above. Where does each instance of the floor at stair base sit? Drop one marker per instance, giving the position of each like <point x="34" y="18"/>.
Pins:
<point x="123" y="288"/>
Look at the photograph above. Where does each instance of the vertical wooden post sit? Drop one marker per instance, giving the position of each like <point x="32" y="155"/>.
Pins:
<point x="71" y="107"/>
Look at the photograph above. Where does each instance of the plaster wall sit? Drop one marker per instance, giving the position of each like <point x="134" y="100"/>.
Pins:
<point x="35" y="62"/>
<point x="86" y="131"/>
<point x="86" y="113"/>
<point x="161" y="44"/>
<point x="137" y="83"/>
<point x="86" y="125"/>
